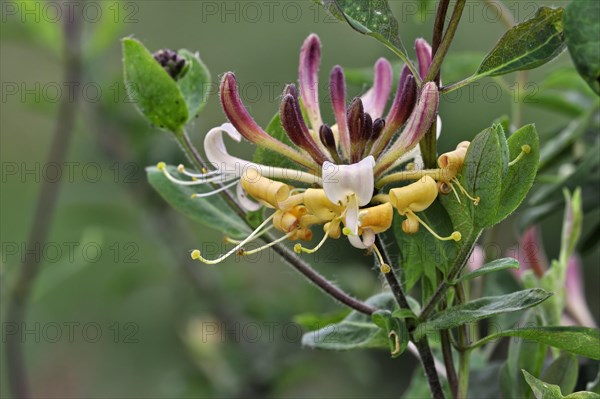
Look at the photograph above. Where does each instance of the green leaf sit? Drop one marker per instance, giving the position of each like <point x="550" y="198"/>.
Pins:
<point x="395" y="330"/>
<point x="544" y="390"/>
<point x="482" y="176"/>
<point x="156" y="95"/>
<point x="211" y="212"/>
<point x="526" y="45"/>
<point x="369" y="17"/>
<point x="265" y="156"/>
<point x="582" y="341"/>
<point x="563" y="372"/>
<point x="355" y="331"/>
<point x="582" y="34"/>
<point x="492" y="267"/>
<point x="482" y="308"/>
<point x="521" y="175"/>
<point x="195" y="84"/>
<point x="422" y="253"/>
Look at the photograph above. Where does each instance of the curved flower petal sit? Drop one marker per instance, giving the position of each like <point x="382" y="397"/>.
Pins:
<point x="341" y="182"/>
<point x="418" y="124"/>
<point x="423" y="50"/>
<point x="337" y="92"/>
<point x="240" y="118"/>
<point x="308" y="77"/>
<point x="228" y="165"/>
<point x="375" y="100"/>
<point x="244" y="201"/>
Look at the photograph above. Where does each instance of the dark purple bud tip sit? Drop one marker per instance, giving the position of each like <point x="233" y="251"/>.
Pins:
<point x="175" y="65"/>
<point x="328" y="140"/>
<point x="356" y="119"/>
<point x="378" y="126"/>
<point x="367" y="128"/>
<point x="291" y="89"/>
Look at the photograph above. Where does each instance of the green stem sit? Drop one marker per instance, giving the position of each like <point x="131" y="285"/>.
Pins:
<point x="449" y="362"/>
<point x="438" y="58"/>
<point x="457" y="267"/>
<point x="464" y="355"/>
<point x="44" y="212"/>
<point x="422" y="345"/>
<point x="408" y="63"/>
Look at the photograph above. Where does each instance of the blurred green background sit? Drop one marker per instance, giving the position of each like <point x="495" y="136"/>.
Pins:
<point x="118" y="309"/>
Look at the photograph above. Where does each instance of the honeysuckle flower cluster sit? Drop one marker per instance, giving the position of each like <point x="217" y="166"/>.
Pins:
<point x="343" y="167"/>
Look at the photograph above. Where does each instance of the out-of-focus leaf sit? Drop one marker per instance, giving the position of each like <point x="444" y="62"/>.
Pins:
<point x="493" y="266"/>
<point x="582" y="34"/>
<point x="526" y="45"/>
<point x="482" y="308"/>
<point x="582" y="341"/>
<point x="563" y="372"/>
<point x="211" y="212"/>
<point x="544" y="390"/>
<point x="355" y="331"/>
<point x="155" y="94"/>
<point x="457" y="66"/>
<point x="369" y="17"/>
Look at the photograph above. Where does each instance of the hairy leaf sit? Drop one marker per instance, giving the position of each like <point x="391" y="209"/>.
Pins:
<point x="526" y="45"/>
<point x="482" y="308"/>
<point x="582" y="34"/>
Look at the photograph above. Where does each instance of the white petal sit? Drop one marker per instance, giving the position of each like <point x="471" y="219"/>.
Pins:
<point x="244" y="201"/>
<point x="217" y="154"/>
<point x="351" y="220"/>
<point x="356" y="242"/>
<point x="342" y="181"/>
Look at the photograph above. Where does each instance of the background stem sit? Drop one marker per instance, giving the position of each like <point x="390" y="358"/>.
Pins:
<point x="44" y="209"/>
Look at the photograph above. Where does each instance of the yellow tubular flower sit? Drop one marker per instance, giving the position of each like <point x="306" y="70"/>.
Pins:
<point x="453" y="161"/>
<point x="320" y="206"/>
<point x="415" y="197"/>
<point x="377" y="218"/>
<point x="263" y="189"/>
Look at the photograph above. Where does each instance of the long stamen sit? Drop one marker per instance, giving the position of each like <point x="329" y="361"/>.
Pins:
<point x="262" y="233"/>
<point x="219" y="178"/>
<point x="218" y="190"/>
<point x="455" y="236"/>
<point x="384" y="267"/>
<point x="181" y="169"/>
<point x="277" y="241"/>
<point x="525" y="149"/>
<point x="298" y="248"/>
<point x="197" y="255"/>
<point x="465" y="192"/>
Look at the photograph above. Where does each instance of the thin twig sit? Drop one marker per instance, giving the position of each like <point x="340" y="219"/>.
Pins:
<point x="438" y="58"/>
<point x="427" y="359"/>
<point x="44" y="211"/>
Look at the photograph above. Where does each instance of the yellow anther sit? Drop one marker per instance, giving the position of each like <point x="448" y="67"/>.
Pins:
<point x="196" y="254"/>
<point x="385" y="268"/>
<point x="416" y="196"/>
<point x="161" y="166"/>
<point x="456" y="236"/>
<point x="204" y="170"/>
<point x="298" y="248"/>
<point x="180" y="168"/>
<point x="525" y="149"/>
<point x="347" y="231"/>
